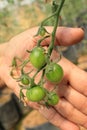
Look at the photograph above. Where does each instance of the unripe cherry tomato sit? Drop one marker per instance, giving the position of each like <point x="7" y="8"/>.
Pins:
<point x="35" y="94"/>
<point x="37" y="57"/>
<point x="53" y="100"/>
<point x="42" y="31"/>
<point x="54" y="72"/>
<point x="25" y="80"/>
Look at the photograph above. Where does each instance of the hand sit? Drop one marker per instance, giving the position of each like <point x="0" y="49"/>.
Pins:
<point x="71" y="111"/>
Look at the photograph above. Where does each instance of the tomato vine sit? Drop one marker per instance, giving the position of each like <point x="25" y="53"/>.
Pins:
<point x="41" y="60"/>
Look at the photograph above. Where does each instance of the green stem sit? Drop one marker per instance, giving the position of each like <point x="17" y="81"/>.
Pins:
<point x="39" y="41"/>
<point x="51" y="46"/>
<point x="41" y="80"/>
<point x="43" y="22"/>
<point x="36" y="74"/>
<point x="24" y="63"/>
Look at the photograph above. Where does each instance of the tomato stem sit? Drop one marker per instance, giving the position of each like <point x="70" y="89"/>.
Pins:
<point x="44" y="21"/>
<point x="48" y="97"/>
<point x="41" y="80"/>
<point x="51" y="46"/>
<point x="39" y="41"/>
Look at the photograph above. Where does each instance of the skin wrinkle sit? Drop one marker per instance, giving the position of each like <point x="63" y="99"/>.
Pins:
<point x="82" y="106"/>
<point x="62" y="124"/>
<point x="50" y="113"/>
<point x="61" y="106"/>
<point x="85" y="124"/>
<point x="80" y="89"/>
<point x="59" y="124"/>
<point x="54" y="119"/>
<point x="71" y="113"/>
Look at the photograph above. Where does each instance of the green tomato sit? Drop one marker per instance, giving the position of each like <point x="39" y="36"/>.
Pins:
<point x="25" y="80"/>
<point x="54" y="72"/>
<point x="37" y="57"/>
<point x="53" y="99"/>
<point x="42" y="31"/>
<point x="35" y="94"/>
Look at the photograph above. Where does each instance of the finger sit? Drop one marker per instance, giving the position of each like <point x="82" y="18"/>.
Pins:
<point x="76" y="77"/>
<point x="78" y="100"/>
<point x="71" y="113"/>
<point x="68" y="36"/>
<point x="64" y="36"/>
<point x="56" y="119"/>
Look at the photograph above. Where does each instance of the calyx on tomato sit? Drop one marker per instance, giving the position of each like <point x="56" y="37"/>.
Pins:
<point x="53" y="99"/>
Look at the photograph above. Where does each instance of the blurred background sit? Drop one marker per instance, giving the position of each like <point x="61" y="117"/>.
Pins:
<point x="19" y="15"/>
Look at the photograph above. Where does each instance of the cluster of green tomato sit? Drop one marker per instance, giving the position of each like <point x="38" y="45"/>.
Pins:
<point x="53" y="73"/>
<point x="50" y="70"/>
<point x="41" y="60"/>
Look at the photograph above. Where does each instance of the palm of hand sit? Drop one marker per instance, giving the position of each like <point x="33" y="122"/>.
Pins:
<point x="63" y="114"/>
